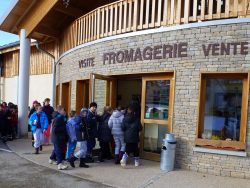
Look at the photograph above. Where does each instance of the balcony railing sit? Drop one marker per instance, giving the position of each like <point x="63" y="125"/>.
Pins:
<point x="133" y="15"/>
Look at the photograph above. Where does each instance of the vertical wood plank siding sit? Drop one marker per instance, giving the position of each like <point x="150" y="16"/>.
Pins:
<point x="40" y="63"/>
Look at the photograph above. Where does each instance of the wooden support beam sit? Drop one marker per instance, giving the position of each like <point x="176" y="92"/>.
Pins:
<point x="36" y="14"/>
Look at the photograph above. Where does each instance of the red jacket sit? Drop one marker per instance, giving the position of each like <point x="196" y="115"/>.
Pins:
<point x="14" y="119"/>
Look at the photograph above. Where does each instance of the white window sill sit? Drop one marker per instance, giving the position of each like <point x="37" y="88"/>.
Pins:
<point x="220" y="151"/>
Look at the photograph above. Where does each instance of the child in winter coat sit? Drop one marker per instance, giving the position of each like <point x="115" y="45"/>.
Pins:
<point x="104" y="134"/>
<point x="131" y="126"/>
<point x="39" y="123"/>
<point x="115" y="124"/>
<point x="82" y="134"/>
<point x="59" y="137"/>
<point x="71" y="126"/>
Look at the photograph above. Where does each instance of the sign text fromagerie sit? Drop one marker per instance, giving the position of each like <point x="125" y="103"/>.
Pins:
<point x="148" y="53"/>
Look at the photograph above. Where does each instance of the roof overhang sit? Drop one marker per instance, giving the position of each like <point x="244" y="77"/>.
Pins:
<point x="45" y="19"/>
<point x="25" y="14"/>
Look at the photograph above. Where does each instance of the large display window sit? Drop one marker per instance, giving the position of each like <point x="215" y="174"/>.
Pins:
<point x="223" y="111"/>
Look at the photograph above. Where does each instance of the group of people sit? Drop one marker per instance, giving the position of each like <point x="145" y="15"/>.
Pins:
<point x="8" y="121"/>
<point x="119" y="126"/>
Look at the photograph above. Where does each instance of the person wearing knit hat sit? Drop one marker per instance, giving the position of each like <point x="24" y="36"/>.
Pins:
<point x="32" y="110"/>
<point x="35" y="102"/>
<point x="84" y="110"/>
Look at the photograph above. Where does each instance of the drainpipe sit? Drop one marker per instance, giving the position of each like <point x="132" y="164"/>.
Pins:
<point x="53" y="72"/>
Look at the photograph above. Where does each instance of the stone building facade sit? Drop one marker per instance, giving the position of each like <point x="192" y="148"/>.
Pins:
<point x="214" y="47"/>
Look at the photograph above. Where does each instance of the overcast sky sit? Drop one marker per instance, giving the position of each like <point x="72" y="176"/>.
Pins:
<point x="6" y="38"/>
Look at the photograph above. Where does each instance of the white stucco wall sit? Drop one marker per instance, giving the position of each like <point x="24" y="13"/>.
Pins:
<point x="40" y="88"/>
<point x="10" y="86"/>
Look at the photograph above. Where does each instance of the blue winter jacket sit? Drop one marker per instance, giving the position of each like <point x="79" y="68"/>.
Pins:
<point x="43" y="121"/>
<point x="71" y="127"/>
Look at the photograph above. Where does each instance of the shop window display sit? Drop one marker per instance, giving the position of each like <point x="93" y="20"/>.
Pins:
<point x="222" y="109"/>
<point x="222" y="120"/>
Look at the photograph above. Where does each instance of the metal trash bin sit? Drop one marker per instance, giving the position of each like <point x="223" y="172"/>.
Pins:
<point x="168" y="153"/>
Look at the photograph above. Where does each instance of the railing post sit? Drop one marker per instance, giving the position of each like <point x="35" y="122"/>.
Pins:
<point x="147" y="14"/>
<point x="195" y="10"/>
<point x="116" y="16"/>
<point x="165" y="12"/>
<point x="125" y="17"/>
<point x="178" y="11"/>
<point x="152" y="24"/>
<point x="235" y="10"/>
<point x="135" y="15"/>
<point x="210" y="9"/>
<point x="172" y="9"/>
<point x="186" y="11"/>
<point x="202" y="9"/>
<point x="111" y="20"/>
<point x="218" y="9"/>
<point x="158" y="23"/>
<point x="98" y="23"/>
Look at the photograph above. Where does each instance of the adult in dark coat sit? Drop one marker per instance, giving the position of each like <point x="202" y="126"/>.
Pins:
<point x="59" y="137"/>
<point x="8" y="128"/>
<point x="92" y="120"/>
<point x="48" y="109"/>
<point x="104" y="135"/>
<point x="131" y="126"/>
<point x="3" y="120"/>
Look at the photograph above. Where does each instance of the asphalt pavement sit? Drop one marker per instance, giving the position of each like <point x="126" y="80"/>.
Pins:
<point x="20" y="173"/>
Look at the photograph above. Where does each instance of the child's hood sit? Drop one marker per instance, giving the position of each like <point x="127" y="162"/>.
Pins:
<point x="117" y="114"/>
<point x="75" y="120"/>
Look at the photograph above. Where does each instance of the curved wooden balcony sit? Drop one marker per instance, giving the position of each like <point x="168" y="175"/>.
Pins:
<point x="133" y="15"/>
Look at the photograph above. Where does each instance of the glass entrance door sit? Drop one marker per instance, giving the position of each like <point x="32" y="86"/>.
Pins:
<point x="156" y="116"/>
<point x="102" y="91"/>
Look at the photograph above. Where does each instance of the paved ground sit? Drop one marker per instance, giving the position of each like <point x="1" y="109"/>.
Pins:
<point x="18" y="172"/>
<point x="147" y="175"/>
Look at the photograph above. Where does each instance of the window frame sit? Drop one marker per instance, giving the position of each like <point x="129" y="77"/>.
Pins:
<point x="223" y="144"/>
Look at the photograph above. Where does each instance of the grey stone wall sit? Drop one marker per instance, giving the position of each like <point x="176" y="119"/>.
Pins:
<point x="186" y="99"/>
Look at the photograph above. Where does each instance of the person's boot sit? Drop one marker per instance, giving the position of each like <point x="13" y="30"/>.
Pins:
<point x="82" y="163"/>
<point x="108" y="156"/>
<point x="89" y="159"/>
<point x="117" y="159"/>
<point x="124" y="160"/>
<point x="36" y="151"/>
<point x="33" y="141"/>
<point x="100" y="157"/>
<point x="72" y="161"/>
<point x="121" y="155"/>
<point x="61" y="166"/>
<point x="41" y="148"/>
<point x="137" y="161"/>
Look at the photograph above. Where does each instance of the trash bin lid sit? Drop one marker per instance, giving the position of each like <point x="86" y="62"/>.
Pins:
<point x="170" y="138"/>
